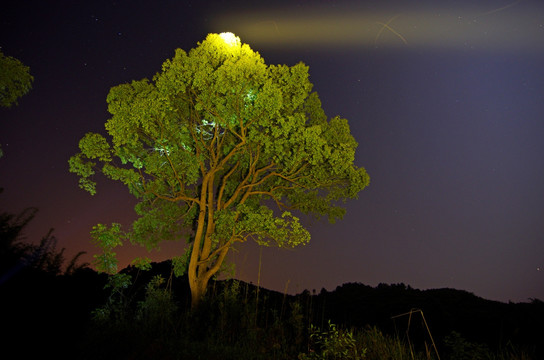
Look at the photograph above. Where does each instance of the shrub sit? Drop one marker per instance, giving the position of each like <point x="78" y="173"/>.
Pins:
<point x="332" y="344"/>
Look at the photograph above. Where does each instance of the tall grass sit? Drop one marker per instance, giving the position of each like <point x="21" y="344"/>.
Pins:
<point x="239" y="321"/>
<point x="379" y="346"/>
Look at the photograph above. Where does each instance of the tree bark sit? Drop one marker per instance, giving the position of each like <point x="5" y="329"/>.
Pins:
<point x="198" y="290"/>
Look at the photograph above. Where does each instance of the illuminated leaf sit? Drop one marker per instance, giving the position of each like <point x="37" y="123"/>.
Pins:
<point x="222" y="148"/>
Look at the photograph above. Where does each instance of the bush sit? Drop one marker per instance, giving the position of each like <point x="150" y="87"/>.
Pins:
<point x="332" y="344"/>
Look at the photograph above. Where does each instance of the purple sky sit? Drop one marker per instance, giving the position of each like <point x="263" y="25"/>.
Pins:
<point x="446" y="102"/>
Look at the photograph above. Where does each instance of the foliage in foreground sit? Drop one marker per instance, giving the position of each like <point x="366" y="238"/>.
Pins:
<point x="17" y="255"/>
<point x="236" y="321"/>
<point x="332" y="343"/>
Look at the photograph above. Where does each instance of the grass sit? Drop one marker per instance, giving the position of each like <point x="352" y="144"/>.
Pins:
<point x="237" y="321"/>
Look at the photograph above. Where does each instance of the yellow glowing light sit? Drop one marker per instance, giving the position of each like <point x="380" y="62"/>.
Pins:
<point x="230" y="39"/>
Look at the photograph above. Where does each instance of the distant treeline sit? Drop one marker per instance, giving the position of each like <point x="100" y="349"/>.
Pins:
<point x="478" y="320"/>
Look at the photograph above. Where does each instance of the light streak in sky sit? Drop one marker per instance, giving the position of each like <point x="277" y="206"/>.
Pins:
<point x="515" y="26"/>
<point x="386" y="26"/>
<point x="499" y="9"/>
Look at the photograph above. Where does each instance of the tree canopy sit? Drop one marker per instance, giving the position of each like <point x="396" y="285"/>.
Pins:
<point x="15" y="80"/>
<point x="225" y="146"/>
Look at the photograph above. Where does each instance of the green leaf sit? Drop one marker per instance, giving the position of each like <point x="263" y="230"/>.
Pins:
<point x="219" y="116"/>
<point x="180" y="263"/>
<point x="95" y="146"/>
<point x="15" y="80"/>
<point x="107" y="239"/>
<point x="141" y="263"/>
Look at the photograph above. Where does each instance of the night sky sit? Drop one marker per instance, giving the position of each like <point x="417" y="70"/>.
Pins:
<point x="445" y="98"/>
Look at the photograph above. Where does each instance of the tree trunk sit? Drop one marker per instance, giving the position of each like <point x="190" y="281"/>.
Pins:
<point x="199" y="276"/>
<point x="198" y="290"/>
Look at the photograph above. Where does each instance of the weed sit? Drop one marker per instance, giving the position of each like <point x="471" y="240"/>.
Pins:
<point x="332" y="344"/>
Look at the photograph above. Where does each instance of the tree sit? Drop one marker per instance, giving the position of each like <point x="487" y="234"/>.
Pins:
<point x="15" y="80"/>
<point x="223" y="145"/>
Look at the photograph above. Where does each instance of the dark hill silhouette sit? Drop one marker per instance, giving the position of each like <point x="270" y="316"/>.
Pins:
<point x="53" y="312"/>
<point x="446" y="310"/>
<point x="478" y="320"/>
